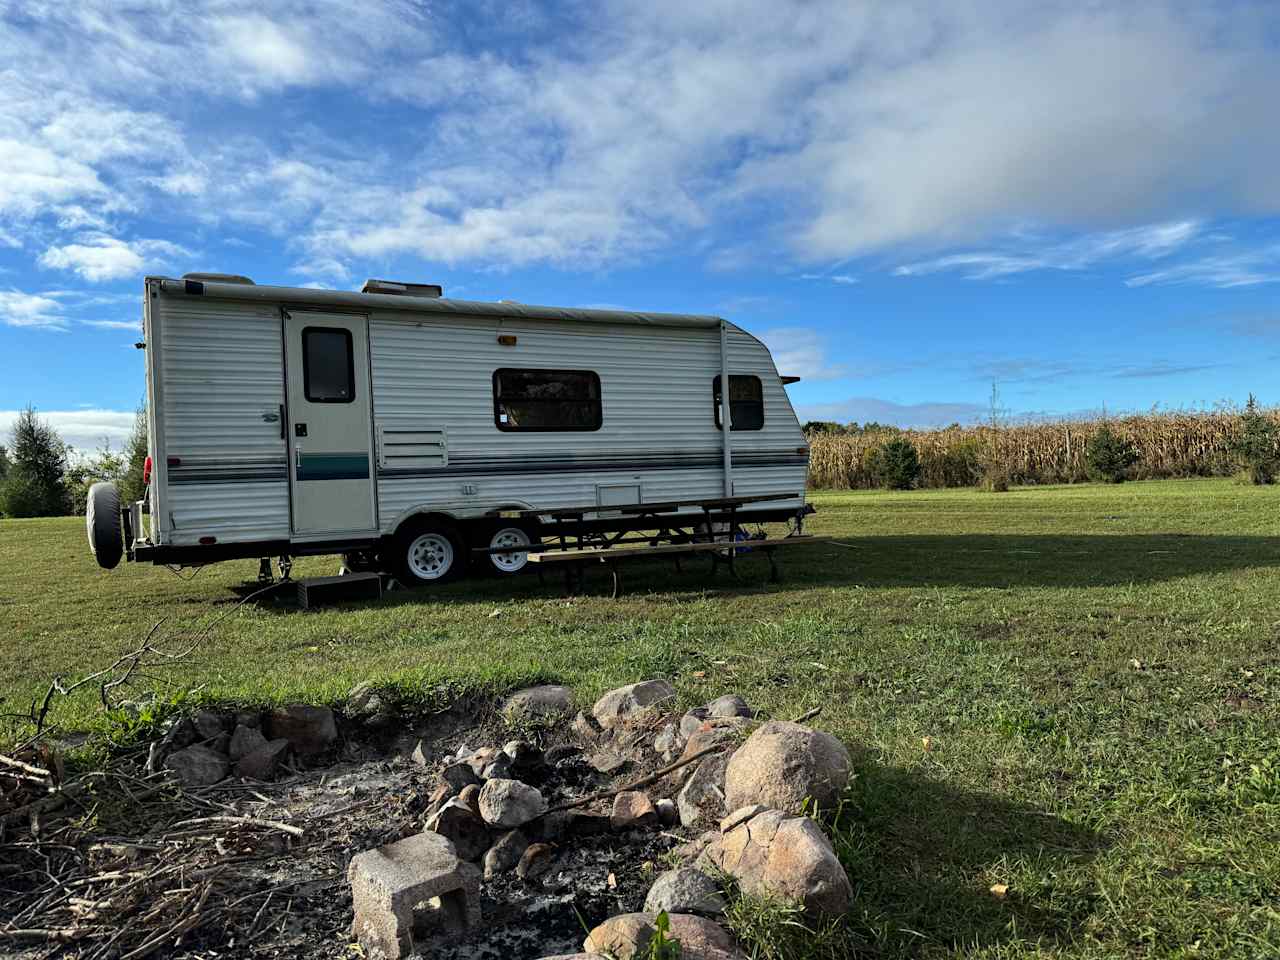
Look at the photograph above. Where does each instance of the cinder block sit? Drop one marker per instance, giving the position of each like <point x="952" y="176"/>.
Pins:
<point x="410" y="893"/>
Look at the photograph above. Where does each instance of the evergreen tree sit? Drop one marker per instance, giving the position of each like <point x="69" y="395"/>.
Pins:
<point x="135" y="454"/>
<point x="33" y="484"/>
<point x="1256" y="446"/>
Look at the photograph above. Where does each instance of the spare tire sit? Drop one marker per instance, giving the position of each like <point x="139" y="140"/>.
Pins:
<point x="102" y="517"/>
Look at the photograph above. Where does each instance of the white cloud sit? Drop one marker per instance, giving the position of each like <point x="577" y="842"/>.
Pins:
<point x="100" y="257"/>
<point x="134" y="325"/>
<point x="801" y="352"/>
<point x="18" y="309"/>
<point x="83" y="428"/>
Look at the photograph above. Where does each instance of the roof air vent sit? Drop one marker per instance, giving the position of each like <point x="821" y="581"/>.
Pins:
<point x="396" y="288"/>
<point x="218" y="278"/>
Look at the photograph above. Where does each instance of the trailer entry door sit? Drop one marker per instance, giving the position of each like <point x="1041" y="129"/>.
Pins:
<point x="329" y="425"/>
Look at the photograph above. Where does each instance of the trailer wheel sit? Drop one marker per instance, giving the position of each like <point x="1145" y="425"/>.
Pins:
<point x="102" y="518"/>
<point x="508" y="564"/>
<point x="429" y="552"/>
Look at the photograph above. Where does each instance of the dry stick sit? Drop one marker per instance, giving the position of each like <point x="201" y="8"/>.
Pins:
<point x="807" y="715"/>
<point x="25" y="767"/>
<point x="246" y="822"/>
<point x="642" y="782"/>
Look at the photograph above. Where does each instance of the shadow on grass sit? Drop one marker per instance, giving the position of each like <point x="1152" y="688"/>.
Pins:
<point x="923" y="856"/>
<point x="969" y="560"/>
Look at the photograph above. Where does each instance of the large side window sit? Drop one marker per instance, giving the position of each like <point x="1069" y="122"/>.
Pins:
<point x="746" y="402"/>
<point x="546" y="400"/>
<point x="328" y="367"/>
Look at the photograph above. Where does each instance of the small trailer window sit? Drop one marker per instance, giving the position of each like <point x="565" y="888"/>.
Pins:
<point x="328" y="368"/>
<point x="746" y="402"/>
<point x="546" y="400"/>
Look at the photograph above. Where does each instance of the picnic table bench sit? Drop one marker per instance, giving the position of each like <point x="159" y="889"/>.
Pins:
<point x="721" y="551"/>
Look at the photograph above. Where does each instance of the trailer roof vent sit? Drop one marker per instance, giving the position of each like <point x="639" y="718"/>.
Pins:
<point x="218" y="278"/>
<point x="396" y="288"/>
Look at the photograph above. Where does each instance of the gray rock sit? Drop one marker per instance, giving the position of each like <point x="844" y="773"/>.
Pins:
<point x="774" y="854"/>
<point x="623" y="704"/>
<point x="263" y="762"/>
<point x="244" y="741"/>
<point x="198" y="766"/>
<point x="741" y="815"/>
<point x="458" y="776"/>
<point x="309" y="730"/>
<point x="702" y="797"/>
<point x="633" y="810"/>
<point x="466" y="831"/>
<point x="208" y="723"/>
<point x="247" y="718"/>
<point x="505" y="854"/>
<point x="608" y="762"/>
<point x="730" y="705"/>
<point x="691" y="721"/>
<point x="668" y="741"/>
<point x="668" y="812"/>
<point x="547" y="702"/>
<point x="499" y="767"/>
<point x="510" y="803"/>
<point x="685" y="890"/>
<point x="627" y="936"/>
<point x="782" y="765"/>
<point x="536" y="861"/>
<point x="367" y="704"/>
<point x="715" y="731"/>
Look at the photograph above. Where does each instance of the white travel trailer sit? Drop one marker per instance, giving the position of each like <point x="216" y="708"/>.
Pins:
<point x="414" y="433"/>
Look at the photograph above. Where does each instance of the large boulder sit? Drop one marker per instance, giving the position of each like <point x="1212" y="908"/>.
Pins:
<point x="198" y="766"/>
<point x="784" y="764"/>
<point x="627" y="936"/>
<point x="547" y="702"/>
<point x="685" y="890"/>
<point x="621" y="705"/>
<point x="263" y="762"/>
<point x="309" y="730"/>
<point x="510" y="803"/>
<point x="774" y="854"/>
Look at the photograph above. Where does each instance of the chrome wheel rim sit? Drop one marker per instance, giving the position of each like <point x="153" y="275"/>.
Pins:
<point x="430" y="556"/>
<point x="509" y="537"/>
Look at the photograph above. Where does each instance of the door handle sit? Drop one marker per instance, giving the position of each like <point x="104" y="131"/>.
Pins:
<point x="297" y="461"/>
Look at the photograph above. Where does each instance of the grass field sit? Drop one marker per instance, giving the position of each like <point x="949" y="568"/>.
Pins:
<point x="1095" y="670"/>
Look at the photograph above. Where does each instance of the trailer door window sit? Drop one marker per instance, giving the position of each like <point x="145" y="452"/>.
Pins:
<point x="328" y="367"/>
<point x="746" y="402"/>
<point x="546" y="400"/>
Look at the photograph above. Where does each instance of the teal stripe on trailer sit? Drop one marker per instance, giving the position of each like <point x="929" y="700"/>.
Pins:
<point x="333" y="466"/>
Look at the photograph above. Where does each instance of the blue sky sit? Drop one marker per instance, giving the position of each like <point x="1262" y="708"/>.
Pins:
<point x="908" y="201"/>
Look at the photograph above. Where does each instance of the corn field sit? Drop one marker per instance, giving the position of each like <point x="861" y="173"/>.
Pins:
<point x="1168" y="444"/>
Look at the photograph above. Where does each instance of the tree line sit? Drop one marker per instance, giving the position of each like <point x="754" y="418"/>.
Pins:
<point x="42" y="476"/>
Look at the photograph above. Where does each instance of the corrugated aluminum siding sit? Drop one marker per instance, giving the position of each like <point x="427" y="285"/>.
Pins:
<point x="222" y="370"/>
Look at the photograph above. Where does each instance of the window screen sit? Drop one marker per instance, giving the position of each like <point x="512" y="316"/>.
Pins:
<point x="546" y="400"/>
<point x="746" y="402"/>
<point x="328" y="369"/>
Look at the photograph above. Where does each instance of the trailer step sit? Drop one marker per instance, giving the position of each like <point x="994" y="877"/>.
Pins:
<point x="322" y="591"/>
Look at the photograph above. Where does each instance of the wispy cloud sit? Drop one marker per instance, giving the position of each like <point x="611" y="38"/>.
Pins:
<point x="1150" y="242"/>
<point x="1240" y="270"/>
<point x="99" y="257"/>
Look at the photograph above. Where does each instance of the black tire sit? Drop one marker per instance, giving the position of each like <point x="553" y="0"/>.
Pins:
<point x="507" y="565"/>
<point x="102" y="519"/>
<point x="429" y="552"/>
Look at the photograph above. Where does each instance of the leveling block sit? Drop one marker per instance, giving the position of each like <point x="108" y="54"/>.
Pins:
<point x="321" y="591"/>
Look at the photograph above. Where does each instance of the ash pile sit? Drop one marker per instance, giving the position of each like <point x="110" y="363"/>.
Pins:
<point x="525" y="829"/>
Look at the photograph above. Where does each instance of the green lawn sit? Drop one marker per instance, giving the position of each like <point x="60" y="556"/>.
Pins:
<point x="1095" y="669"/>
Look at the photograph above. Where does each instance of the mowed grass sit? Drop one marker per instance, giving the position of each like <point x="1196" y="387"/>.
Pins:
<point x="1070" y="691"/>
